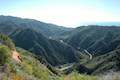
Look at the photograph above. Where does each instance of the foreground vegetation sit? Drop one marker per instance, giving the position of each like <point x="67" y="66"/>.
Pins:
<point x="29" y="69"/>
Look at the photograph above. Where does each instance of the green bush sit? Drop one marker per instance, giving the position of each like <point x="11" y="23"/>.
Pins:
<point x="4" y="54"/>
<point x="7" y="41"/>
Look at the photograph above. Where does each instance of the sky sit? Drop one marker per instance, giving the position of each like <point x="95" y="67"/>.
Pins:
<point x="69" y="13"/>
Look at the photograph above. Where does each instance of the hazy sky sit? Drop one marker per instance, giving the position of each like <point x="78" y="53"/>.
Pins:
<point x="69" y="13"/>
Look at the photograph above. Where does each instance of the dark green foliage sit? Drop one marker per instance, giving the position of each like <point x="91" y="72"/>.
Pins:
<point x="118" y="59"/>
<point x="82" y="69"/>
<point x="55" y="52"/>
<point x="5" y="54"/>
<point x="95" y="39"/>
<point x="7" y="41"/>
<point x="6" y="45"/>
<point x="99" y="64"/>
<point x="105" y="62"/>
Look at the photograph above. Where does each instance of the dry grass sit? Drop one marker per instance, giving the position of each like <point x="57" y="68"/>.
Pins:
<point x="110" y="76"/>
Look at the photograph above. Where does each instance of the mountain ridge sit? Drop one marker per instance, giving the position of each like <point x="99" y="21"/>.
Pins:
<point x="46" y="29"/>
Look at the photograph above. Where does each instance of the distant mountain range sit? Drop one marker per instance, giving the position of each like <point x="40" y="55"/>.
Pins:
<point x="9" y="24"/>
<point x="101" y="23"/>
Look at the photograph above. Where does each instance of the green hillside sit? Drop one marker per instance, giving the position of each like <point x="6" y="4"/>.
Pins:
<point x="55" y="52"/>
<point x="95" y="39"/>
<point x="101" y="64"/>
<point x="6" y="41"/>
<point x="106" y="62"/>
<point x="29" y="69"/>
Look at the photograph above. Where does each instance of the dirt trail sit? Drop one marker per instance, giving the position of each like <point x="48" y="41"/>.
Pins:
<point x="16" y="56"/>
<point x="68" y="77"/>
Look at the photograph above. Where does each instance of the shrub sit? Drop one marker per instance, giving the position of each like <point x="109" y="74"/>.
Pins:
<point x="7" y="41"/>
<point x="17" y="77"/>
<point x="4" y="54"/>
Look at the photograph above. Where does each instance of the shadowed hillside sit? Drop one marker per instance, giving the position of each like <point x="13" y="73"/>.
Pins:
<point x="95" y="39"/>
<point x="55" y="52"/>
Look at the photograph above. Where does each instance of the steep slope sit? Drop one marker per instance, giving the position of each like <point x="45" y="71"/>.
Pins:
<point x="55" y="52"/>
<point x="30" y="68"/>
<point x="8" y="24"/>
<point x="95" y="39"/>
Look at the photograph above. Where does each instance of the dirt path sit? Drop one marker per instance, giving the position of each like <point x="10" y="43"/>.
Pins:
<point x="16" y="56"/>
<point x="67" y="78"/>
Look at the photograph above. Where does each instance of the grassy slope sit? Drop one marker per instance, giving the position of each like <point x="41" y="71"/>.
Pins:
<point x="29" y="69"/>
